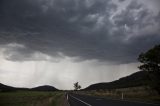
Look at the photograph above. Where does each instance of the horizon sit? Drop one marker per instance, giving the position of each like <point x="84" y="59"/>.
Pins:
<point x="66" y="89"/>
<point x="58" y="42"/>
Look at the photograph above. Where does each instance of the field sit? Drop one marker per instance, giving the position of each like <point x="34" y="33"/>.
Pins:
<point x="31" y="98"/>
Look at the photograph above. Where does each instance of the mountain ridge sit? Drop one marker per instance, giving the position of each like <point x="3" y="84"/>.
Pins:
<point x="139" y="78"/>
<point x="5" y="88"/>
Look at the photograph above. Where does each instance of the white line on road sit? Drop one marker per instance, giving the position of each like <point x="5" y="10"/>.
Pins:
<point x="81" y="101"/>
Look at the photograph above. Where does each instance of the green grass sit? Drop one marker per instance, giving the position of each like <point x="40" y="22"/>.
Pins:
<point x="30" y="98"/>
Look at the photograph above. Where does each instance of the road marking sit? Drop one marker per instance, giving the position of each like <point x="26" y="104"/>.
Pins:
<point x="81" y="101"/>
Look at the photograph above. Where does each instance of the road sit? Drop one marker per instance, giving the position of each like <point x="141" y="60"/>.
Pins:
<point x="83" y="100"/>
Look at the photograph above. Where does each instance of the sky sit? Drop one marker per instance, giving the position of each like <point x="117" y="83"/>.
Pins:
<point x="60" y="42"/>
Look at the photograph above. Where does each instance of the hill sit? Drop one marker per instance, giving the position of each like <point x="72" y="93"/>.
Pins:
<point x="6" y="88"/>
<point x="137" y="79"/>
<point x="44" y="88"/>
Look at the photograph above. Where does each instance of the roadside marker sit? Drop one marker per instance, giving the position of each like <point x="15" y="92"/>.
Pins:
<point x="67" y="100"/>
<point x="67" y="96"/>
<point x="122" y="96"/>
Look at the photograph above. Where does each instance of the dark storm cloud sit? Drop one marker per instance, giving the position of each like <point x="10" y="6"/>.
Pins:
<point x="77" y="28"/>
<point x="121" y="0"/>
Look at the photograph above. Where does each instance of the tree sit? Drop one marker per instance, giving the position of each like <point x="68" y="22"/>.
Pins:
<point x="77" y="86"/>
<point x="150" y="60"/>
<point x="151" y="63"/>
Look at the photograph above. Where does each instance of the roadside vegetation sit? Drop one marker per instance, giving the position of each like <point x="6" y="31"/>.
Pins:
<point x="143" y="93"/>
<point x="77" y="86"/>
<point x="31" y="98"/>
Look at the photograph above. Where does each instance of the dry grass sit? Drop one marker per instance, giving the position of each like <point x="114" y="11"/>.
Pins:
<point x="30" y="98"/>
<point x="144" y="94"/>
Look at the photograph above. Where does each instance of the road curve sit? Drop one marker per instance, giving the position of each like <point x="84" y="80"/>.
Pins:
<point x="83" y="100"/>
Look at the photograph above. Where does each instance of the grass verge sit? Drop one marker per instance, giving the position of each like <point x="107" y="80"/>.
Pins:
<point x="30" y="98"/>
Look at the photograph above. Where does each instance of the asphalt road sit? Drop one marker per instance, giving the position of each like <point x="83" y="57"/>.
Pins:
<point x="83" y="100"/>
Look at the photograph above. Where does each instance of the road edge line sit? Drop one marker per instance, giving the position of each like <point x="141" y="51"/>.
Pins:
<point x="81" y="100"/>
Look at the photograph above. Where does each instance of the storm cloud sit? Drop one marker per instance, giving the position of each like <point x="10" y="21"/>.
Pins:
<point x="60" y="42"/>
<point x="78" y="28"/>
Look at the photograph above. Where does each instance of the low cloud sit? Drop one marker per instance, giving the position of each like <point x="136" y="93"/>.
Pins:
<point x="61" y="74"/>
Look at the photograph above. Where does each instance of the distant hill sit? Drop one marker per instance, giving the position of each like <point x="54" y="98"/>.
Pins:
<point x="6" y="88"/>
<point x="137" y="79"/>
<point x="44" y="88"/>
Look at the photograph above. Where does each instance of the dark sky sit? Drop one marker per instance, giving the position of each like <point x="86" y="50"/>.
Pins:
<point x="83" y="28"/>
<point x="112" y="31"/>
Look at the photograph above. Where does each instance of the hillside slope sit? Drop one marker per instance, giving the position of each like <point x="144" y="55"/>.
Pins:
<point x="5" y="88"/>
<point x="137" y="79"/>
<point x="44" y="88"/>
